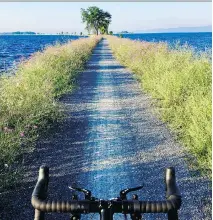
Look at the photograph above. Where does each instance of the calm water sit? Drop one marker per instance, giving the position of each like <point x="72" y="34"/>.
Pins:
<point x="199" y="41"/>
<point x="15" y="48"/>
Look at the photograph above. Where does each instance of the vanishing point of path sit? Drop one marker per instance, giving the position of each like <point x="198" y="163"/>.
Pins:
<point x="110" y="140"/>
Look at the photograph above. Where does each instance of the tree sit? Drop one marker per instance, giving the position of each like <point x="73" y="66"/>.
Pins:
<point x="96" y="19"/>
<point x="111" y="33"/>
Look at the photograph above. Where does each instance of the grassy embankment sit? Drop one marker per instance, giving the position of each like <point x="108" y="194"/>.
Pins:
<point x="181" y="82"/>
<point x="28" y="100"/>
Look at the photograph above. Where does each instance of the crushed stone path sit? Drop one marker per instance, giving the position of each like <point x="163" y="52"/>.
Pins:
<point x="110" y="140"/>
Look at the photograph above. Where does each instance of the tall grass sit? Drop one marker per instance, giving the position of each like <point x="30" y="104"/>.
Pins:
<point x="181" y="82"/>
<point x="28" y="100"/>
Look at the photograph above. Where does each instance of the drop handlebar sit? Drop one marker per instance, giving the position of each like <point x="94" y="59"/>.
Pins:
<point x="106" y="208"/>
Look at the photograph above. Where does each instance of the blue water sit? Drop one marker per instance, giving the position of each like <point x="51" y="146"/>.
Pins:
<point x="18" y="47"/>
<point x="198" y="41"/>
<point x="14" y="48"/>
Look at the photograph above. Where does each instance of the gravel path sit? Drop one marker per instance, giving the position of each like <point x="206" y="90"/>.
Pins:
<point x="110" y="140"/>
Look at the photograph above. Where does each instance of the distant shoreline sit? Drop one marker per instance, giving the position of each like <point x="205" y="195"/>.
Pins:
<point x="43" y="35"/>
<point x="165" y="33"/>
<point x="89" y="35"/>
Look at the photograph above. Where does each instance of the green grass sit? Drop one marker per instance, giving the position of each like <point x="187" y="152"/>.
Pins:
<point x="29" y="99"/>
<point x="181" y="82"/>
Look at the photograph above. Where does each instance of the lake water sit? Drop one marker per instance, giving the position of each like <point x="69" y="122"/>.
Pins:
<point x="13" y="48"/>
<point x="198" y="41"/>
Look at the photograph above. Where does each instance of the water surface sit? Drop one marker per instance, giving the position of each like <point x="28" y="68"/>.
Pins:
<point x="14" y="48"/>
<point x="198" y="41"/>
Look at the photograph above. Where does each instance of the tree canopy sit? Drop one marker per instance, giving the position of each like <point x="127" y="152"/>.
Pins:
<point x="96" y="19"/>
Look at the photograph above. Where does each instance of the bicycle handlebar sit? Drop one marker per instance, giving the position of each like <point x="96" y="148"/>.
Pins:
<point x="172" y="202"/>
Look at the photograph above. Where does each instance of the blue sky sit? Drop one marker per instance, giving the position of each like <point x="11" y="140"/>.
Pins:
<point x="52" y="17"/>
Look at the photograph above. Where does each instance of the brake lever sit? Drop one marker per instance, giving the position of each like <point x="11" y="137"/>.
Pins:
<point x="87" y="193"/>
<point x="124" y="192"/>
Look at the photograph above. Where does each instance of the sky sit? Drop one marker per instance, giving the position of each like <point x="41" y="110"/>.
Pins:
<point x="54" y="17"/>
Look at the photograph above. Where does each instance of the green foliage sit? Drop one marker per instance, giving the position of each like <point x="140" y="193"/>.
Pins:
<point x="28" y="99"/>
<point x="103" y="30"/>
<point x="181" y="82"/>
<point x="111" y="33"/>
<point x="96" y="19"/>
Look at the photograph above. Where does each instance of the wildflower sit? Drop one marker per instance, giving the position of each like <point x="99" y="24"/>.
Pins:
<point x="22" y="134"/>
<point x="35" y="126"/>
<point x="6" y="165"/>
